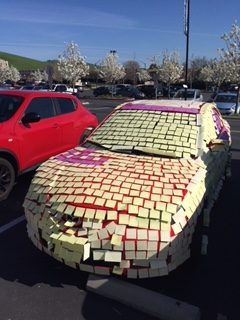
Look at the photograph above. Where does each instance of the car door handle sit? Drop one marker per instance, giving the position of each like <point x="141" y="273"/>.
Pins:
<point x="55" y="125"/>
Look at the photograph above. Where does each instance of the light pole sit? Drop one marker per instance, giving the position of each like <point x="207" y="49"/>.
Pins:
<point x="237" y="98"/>
<point x="186" y="32"/>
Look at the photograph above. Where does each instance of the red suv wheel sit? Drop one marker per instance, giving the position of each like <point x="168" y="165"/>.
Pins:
<point x="7" y="178"/>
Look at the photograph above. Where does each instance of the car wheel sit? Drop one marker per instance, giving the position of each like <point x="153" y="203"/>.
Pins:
<point x="7" y="178"/>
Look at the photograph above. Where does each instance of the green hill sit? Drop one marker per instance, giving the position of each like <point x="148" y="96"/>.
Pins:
<point x="23" y="63"/>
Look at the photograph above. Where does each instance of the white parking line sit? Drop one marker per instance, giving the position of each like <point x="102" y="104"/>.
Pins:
<point x="12" y="224"/>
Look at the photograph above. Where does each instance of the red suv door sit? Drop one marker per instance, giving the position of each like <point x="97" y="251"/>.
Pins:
<point x="70" y="121"/>
<point x="40" y="140"/>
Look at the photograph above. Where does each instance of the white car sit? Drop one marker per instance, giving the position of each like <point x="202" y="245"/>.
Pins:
<point x="62" y="88"/>
<point x="226" y="102"/>
<point x="192" y="94"/>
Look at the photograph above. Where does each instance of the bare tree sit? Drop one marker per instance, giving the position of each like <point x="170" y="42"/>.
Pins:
<point x="154" y="69"/>
<point x="196" y="65"/>
<point x="132" y="68"/>
<point x="71" y="64"/>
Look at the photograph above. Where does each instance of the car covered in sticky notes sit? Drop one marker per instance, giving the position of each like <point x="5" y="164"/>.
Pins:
<point x="128" y="200"/>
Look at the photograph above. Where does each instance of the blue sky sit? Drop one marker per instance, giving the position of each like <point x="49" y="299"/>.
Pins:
<point x="136" y="29"/>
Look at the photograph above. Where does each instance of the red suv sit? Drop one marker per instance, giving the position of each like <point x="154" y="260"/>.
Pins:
<point x="34" y="126"/>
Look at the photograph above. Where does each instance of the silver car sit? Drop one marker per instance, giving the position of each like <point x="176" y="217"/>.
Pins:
<point x="226" y="102"/>
<point x="192" y="94"/>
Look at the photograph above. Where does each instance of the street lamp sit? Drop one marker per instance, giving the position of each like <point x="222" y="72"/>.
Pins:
<point x="186" y="32"/>
<point x="236" y="107"/>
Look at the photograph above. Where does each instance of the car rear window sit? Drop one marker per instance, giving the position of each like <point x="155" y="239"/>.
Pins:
<point x="9" y="106"/>
<point x="226" y="98"/>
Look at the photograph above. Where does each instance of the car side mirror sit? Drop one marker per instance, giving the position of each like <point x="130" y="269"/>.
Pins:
<point x="86" y="134"/>
<point x="30" y="118"/>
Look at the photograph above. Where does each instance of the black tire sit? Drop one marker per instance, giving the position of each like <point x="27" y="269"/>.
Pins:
<point x="7" y="178"/>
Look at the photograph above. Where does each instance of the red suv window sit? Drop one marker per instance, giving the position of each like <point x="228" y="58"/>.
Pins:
<point x="65" y="105"/>
<point x="42" y="106"/>
<point x="9" y="106"/>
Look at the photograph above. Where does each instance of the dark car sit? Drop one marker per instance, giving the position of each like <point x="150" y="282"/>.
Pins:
<point x="27" y="87"/>
<point x="170" y="91"/>
<point x="151" y="91"/>
<point x="130" y="92"/>
<point x="101" y="91"/>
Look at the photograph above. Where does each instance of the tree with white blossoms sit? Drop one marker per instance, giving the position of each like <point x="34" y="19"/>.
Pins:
<point x="14" y="74"/>
<point x="8" y="72"/>
<point x="215" y="72"/>
<point x="39" y="76"/>
<point x="71" y="65"/>
<point x="4" y="71"/>
<point x="111" y="70"/>
<point x="143" y="75"/>
<point x="170" y="70"/>
<point x="231" y="54"/>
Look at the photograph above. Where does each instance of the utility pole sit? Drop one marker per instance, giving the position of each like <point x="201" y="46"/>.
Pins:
<point x="186" y="32"/>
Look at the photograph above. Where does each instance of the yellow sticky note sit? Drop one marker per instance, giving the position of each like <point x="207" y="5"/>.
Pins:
<point x="116" y="240"/>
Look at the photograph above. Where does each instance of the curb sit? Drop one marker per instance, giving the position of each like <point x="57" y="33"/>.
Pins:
<point x="144" y="300"/>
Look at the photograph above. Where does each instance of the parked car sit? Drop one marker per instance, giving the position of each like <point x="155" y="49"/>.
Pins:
<point x="27" y="87"/>
<point x="170" y="91"/>
<point x="226" y="102"/>
<point x="192" y="94"/>
<point x="62" y="88"/>
<point x="130" y="92"/>
<point x="151" y="91"/>
<point x="34" y="126"/>
<point x="34" y="87"/>
<point x="101" y="91"/>
<point x="129" y="200"/>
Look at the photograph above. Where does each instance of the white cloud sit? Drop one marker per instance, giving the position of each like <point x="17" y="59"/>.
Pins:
<point x="66" y="16"/>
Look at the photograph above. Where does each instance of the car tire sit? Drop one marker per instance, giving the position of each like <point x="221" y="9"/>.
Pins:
<point x="7" y="178"/>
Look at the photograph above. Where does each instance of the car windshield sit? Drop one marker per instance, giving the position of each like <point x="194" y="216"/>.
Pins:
<point x="145" y="131"/>
<point x="226" y="98"/>
<point x="181" y="94"/>
<point x="9" y="106"/>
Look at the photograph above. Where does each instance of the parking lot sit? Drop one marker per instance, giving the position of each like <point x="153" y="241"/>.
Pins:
<point x="33" y="286"/>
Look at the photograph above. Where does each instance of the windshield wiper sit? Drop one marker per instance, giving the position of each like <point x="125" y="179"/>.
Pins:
<point x="135" y="150"/>
<point x="95" y="143"/>
<point x="145" y="151"/>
